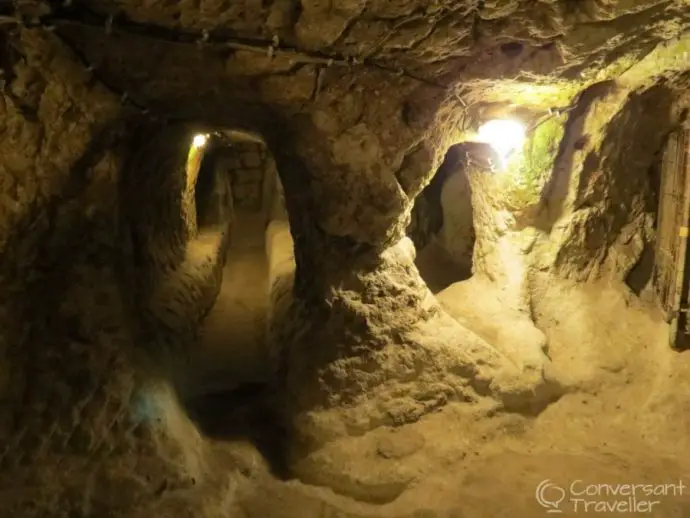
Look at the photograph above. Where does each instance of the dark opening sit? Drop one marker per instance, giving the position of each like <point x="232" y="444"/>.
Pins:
<point x="443" y="234"/>
<point x="641" y="275"/>
<point x="244" y="413"/>
<point x="512" y="49"/>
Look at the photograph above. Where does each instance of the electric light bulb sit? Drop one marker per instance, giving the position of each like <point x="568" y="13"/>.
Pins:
<point x="199" y="141"/>
<point x="504" y="136"/>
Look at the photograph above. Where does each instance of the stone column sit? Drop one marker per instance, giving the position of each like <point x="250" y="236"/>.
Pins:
<point x="366" y="343"/>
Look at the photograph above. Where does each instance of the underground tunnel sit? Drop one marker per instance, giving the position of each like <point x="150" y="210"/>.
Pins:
<point x="285" y="259"/>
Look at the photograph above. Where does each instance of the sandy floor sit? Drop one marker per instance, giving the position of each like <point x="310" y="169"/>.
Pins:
<point x="231" y="339"/>
<point x="624" y="421"/>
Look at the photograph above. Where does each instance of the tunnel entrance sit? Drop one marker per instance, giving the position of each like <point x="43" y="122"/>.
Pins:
<point x="441" y="227"/>
<point x="671" y="272"/>
<point x="224" y="383"/>
<point x="237" y="181"/>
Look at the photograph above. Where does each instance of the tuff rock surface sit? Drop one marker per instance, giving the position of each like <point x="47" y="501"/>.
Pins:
<point x="104" y="276"/>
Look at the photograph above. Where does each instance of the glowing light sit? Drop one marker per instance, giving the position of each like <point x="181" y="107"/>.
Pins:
<point x="199" y="141"/>
<point x="505" y="136"/>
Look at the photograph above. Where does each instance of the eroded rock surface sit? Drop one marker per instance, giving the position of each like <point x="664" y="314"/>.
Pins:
<point x="105" y="277"/>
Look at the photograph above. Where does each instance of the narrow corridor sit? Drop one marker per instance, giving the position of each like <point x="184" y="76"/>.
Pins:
<point x="230" y="346"/>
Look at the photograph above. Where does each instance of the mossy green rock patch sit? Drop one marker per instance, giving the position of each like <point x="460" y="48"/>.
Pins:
<point x="528" y="171"/>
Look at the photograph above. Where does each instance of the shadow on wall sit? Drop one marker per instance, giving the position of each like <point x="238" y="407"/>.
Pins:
<point x="641" y="275"/>
<point x="176" y="272"/>
<point x="442" y="224"/>
<point x="212" y="192"/>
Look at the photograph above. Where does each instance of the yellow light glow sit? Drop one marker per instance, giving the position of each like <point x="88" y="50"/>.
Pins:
<point x="504" y="136"/>
<point x="199" y="141"/>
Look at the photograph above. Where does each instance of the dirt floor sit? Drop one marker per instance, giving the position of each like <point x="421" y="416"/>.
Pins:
<point x="624" y="421"/>
<point x="230" y="344"/>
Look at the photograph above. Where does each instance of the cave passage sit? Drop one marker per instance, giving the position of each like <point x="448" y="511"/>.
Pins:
<point x="442" y="225"/>
<point x="237" y="176"/>
<point x="365" y="260"/>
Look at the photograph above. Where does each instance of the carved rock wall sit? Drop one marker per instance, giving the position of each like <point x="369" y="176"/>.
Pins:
<point x="601" y="208"/>
<point x="98" y="280"/>
<point x="247" y="165"/>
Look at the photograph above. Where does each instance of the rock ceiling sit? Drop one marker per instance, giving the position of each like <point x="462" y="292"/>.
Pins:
<point x="286" y="52"/>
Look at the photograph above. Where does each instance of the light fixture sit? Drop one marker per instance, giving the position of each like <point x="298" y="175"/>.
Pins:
<point x="505" y="136"/>
<point x="199" y="141"/>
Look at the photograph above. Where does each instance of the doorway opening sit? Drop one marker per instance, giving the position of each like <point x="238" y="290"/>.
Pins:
<point x="442" y="227"/>
<point x="237" y="175"/>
